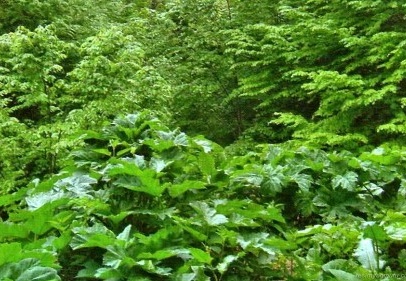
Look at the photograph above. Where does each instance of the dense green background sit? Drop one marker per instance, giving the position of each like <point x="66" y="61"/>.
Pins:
<point x="299" y="175"/>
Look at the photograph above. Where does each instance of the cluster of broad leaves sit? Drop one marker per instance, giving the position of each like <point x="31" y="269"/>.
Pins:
<point x="257" y="72"/>
<point x="138" y="201"/>
<point x="142" y="202"/>
<point x="62" y="71"/>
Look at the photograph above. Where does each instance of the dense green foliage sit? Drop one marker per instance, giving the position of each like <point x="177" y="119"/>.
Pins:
<point x="142" y="202"/>
<point x="304" y="98"/>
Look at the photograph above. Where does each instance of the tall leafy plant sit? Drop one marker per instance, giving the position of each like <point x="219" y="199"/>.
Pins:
<point x="154" y="205"/>
<point x="142" y="202"/>
<point x="315" y="79"/>
<point x="188" y="51"/>
<point x="32" y="72"/>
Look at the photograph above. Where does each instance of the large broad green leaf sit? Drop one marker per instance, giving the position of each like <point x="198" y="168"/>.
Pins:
<point x="280" y="244"/>
<point x="126" y="166"/>
<point x="256" y="243"/>
<point x="125" y="234"/>
<point x="402" y="189"/>
<point x="198" y="274"/>
<point x="225" y="263"/>
<point x="116" y="256"/>
<point x="75" y="186"/>
<point x="181" y="140"/>
<point x="203" y="143"/>
<point x="312" y="230"/>
<point x="207" y="164"/>
<point x="137" y="160"/>
<point x="341" y="269"/>
<point x="96" y="236"/>
<point x="200" y="255"/>
<point x="39" y="220"/>
<point x="155" y="241"/>
<point x="41" y="250"/>
<point x="304" y="181"/>
<point x="375" y="232"/>
<point x="159" y="145"/>
<point x="347" y="181"/>
<point x="209" y="215"/>
<point x="367" y="256"/>
<point x="11" y="230"/>
<point x="164" y="254"/>
<point x="28" y="269"/>
<point x="245" y="211"/>
<point x="102" y="151"/>
<point x="38" y="200"/>
<point x="382" y="155"/>
<point x="275" y="178"/>
<point x="62" y="241"/>
<point x="89" y="270"/>
<point x="108" y="274"/>
<point x="78" y="185"/>
<point x="342" y="275"/>
<point x="39" y="273"/>
<point x="130" y="176"/>
<point x="116" y="219"/>
<point x="145" y="182"/>
<point x="373" y="189"/>
<point x="158" y="164"/>
<point x="176" y="190"/>
<point x="62" y="220"/>
<point x="248" y="176"/>
<point x="396" y="230"/>
<point x="36" y="221"/>
<point x="6" y="249"/>
<point x="8" y="199"/>
<point x="158" y="213"/>
<point x="151" y="267"/>
<point x="184" y="224"/>
<point x="272" y="213"/>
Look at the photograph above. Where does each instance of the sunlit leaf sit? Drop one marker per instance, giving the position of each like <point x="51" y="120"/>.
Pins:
<point x="116" y="256"/>
<point x="95" y="236"/>
<point x="40" y="199"/>
<point x="125" y="235"/>
<point x="6" y="249"/>
<point x="142" y="181"/>
<point x="347" y="181"/>
<point x="176" y="190"/>
<point x="375" y="232"/>
<point x="164" y="254"/>
<point x="367" y="256"/>
<point x="28" y="269"/>
<point x="11" y="230"/>
<point x="396" y="230"/>
<point x="201" y="256"/>
<point x="79" y="185"/>
<point x="342" y="275"/>
<point x="181" y="139"/>
<point x="149" y="266"/>
<point x="225" y="263"/>
<point x="209" y="214"/>
<point x="304" y="181"/>
<point x="158" y="164"/>
<point x="206" y="164"/>
<point x="205" y="144"/>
